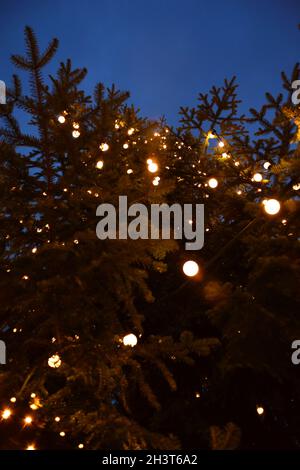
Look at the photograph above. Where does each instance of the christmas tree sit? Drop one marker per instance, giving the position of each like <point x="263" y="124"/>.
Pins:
<point x="140" y="344"/>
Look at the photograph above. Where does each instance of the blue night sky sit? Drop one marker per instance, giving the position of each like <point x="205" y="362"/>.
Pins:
<point x="163" y="51"/>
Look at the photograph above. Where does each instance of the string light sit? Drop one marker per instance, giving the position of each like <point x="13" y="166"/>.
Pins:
<point x="57" y="419"/>
<point x="130" y="131"/>
<point x="266" y="165"/>
<point x="25" y="277"/>
<point x="80" y="446"/>
<point x="99" y="164"/>
<point x="13" y="399"/>
<point x="104" y="147"/>
<point x="130" y="340"/>
<point x="284" y="221"/>
<point x="260" y="410"/>
<point x="129" y="171"/>
<point x="155" y="181"/>
<point x="211" y="135"/>
<point x="197" y="395"/>
<point x="213" y="183"/>
<point x="190" y="268"/>
<point x="296" y="187"/>
<point x="62" y="434"/>
<point x="31" y="447"/>
<point x="221" y="144"/>
<point x="152" y="167"/>
<point x="257" y="177"/>
<point x="75" y="134"/>
<point x="27" y="420"/>
<point x="271" y="206"/>
<point x="54" y="361"/>
<point x="6" y="413"/>
<point x="34" y="250"/>
<point x="75" y="125"/>
<point x="125" y="146"/>
<point x="61" y="119"/>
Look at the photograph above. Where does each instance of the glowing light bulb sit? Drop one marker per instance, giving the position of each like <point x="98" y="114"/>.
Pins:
<point x="129" y="171"/>
<point x="54" y="361"/>
<point x="6" y="413"/>
<point x="221" y="144"/>
<point x="266" y="165"/>
<point x="197" y="395"/>
<point x="104" y="147"/>
<point x="225" y="155"/>
<point x="34" y="250"/>
<point x="61" y="119"/>
<point x="271" y="206"/>
<point x="28" y="420"/>
<point x="152" y="167"/>
<point x="75" y="134"/>
<point x="130" y="131"/>
<point x="213" y="183"/>
<point x="99" y="164"/>
<point x="211" y="135"/>
<point x="80" y="446"/>
<point x="57" y="419"/>
<point x="296" y="187"/>
<point x="13" y="399"/>
<point x="33" y="395"/>
<point x="149" y="161"/>
<point x="257" y="177"/>
<point x="125" y="146"/>
<point x="75" y="125"/>
<point x="260" y="410"/>
<point x="62" y="434"/>
<point x="30" y="447"/>
<point x="130" y="340"/>
<point x="25" y="277"/>
<point x="190" y="268"/>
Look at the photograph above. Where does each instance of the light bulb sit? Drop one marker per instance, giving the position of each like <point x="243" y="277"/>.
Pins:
<point x="54" y="361"/>
<point x="211" y="135"/>
<point x="75" y="134"/>
<point x="129" y="171"/>
<point x="257" y="177"/>
<point x="260" y="410"/>
<point x="130" y="340"/>
<point x="130" y="131"/>
<point x="57" y="419"/>
<point x="30" y="447"/>
<point x="125" y="146"/>
<point x="75" y="125"/>
<point x="213" y="183"/>
<point x="61" y="119"/>
<point x="6" y="413"/>
<point x="267" y="165"/>
<point x="190" y="268"/>
<point x="28" y="420"/>
<point x="99" y="164"/>
<point x="80" y="446"/>
<point x="13" y="399"/>
<point x="152" y="167"/>
<point x="221" y="144"/>
<point x="271" y="206"/>
<point x="104" y="147"/>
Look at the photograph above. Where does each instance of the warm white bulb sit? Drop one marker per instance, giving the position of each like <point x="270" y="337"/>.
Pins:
<point x="28" y="420"/>
<point x="75" y="134"/>
<point x="125" y="146"/>
<point x="54" y="361"/>
<point x="57" y="419"/>
<point x="130" y="340"/>
<point x="267" y="165"/>
<point x="6" y="413"/>
<point x="30" y="447"/>
<point x="213" y="183"/>
<point x="129" y="171"/>
<point x="152" y="167"/>
<point x="99" y="164"/>
<point x="13" y="399"/>
<point x="257" y="177"/>
<point x="211" y="135"/>
<point x="104" y="147"/>
<point x="61" y="119"/>
<point x="130" y="131"/>
<point x="80" y="446"/>
<point x="62" y="434"/>
<point x="260" y="410"/>
<point x="75" y="125"/>
<point x="221" y="144"/>
<point x="271" y="206"/>
<point x="190" y="268"/>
